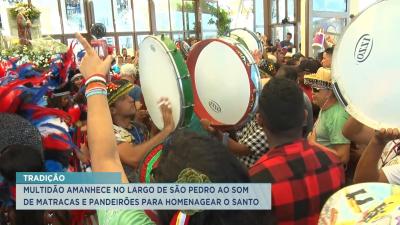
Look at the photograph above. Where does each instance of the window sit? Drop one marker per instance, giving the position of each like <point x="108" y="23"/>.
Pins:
<point x="282" y="10"/>
<point x="177" y="37"/>
<point x="330" y="18"/>
<point x="332" y="27"/>
<point x="206" y="8"/>
<point x="330" y="5"/>
<point x="189" y="15"/>
<point x="73" y="16"/>
<point x="103" y="14"/>
<point x="141" y="11"/>
<point x="161" y="10"/>
<point x="274" y="12"/>
<point x="259" y="11"/>
<point x="126" y="42"/>
<point x="290" y="10"/>
<point x="176" y="15"/>
<point x="123" y="15"/>
<point x="240" y="11"/>
<point x="279" y="28"/>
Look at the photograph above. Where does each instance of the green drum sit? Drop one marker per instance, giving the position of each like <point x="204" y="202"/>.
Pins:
<point x="163" y="73"/>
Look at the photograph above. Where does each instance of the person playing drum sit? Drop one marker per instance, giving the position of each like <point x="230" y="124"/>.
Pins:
<point x="327" y="132"/>
<point x="380" y="160"/>
<point x="133" y="140"/>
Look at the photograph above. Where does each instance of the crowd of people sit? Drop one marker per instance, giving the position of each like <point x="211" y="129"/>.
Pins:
<point x="301" y="140"/>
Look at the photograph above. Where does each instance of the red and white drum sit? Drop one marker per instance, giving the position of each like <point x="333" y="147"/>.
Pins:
<point x="225" y="80"/>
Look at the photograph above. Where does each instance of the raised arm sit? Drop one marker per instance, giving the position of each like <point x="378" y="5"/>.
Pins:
<point x="101" y="139"/>
<point x="367" y="168"/>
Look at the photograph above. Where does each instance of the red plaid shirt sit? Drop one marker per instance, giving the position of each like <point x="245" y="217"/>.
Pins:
<point x="303" y="178"/>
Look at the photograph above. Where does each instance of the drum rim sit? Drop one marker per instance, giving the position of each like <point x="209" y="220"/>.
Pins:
<point x="154" y="154"/>
<point x="337" y="91"/>
<point x="178" y="78"/>
<point x="255" y="87"/>
<point x="259" y="42"/>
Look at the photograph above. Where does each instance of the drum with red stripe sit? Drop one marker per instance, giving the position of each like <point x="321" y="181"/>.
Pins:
<point x="225" y="80"/>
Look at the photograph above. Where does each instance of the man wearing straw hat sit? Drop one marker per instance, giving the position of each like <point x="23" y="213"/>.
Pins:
<point x="327" y="132"/>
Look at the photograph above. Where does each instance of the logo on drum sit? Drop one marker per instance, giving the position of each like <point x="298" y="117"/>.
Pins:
<point x="214" y="106"/>
<point x="363" y="48"/>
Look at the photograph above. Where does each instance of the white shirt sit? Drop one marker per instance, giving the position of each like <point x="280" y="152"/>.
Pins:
<point x="392" y="173"/>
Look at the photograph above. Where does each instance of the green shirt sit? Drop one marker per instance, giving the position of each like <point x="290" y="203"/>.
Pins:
<point x="123" y="217"/>
<point x="330" y="124"/>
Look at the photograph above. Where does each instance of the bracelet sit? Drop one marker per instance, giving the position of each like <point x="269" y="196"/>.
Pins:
<point x="95" y="89"/>
<point x="96" y="92"/>
<point x="96" y="85"/>
<point x="95" y="78"/>
<point x="95" y="82"/>
<point x="96" y="75"/>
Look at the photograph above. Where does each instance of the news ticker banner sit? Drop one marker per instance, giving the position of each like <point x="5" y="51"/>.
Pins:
<point x="91" y="191"/>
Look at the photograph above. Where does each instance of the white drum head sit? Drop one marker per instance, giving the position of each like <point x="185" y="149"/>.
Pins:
<point x="251" y="40"/>
<point x="365" y="68"/>
<point x="158" y="78"/>
<point x="222" y="83"/>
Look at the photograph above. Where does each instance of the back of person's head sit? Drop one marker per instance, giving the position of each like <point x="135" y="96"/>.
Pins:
<point x="309" y="65"/>
<point x="329" y="51"/>
<point x="292" y="62"/>
<point x="288" y="72"/>
<point x="282" y="106"/>
<point x="20" y="158"/>
<point x="128" y="70"/>
<point x="187" y="150"/>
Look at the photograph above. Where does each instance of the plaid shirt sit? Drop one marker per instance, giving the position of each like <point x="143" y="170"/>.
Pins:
<point x="303" y="178"/>
<point x="253" y="136"/>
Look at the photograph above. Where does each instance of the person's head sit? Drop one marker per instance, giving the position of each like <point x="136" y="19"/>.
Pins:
<point x="60" y="99"/>
<point x="281" y="108"/>
<point x="288" y="72"/>
<point x="267" y="67"/>
<point x="187" y="151"/>
<point x="307" y="66"/>
<point x="128" y="72"/>
<point x="21" y="158"/>
<point x="120" y="103"/>
<point x="120" y="60"/>
<point x="327" y="58"/>
<point x="124" y="52"/>
<point x="320" y="83"/>
<point x="128" y="59"/>
<point x="289" y="36"/>
<point x="77" y="80"/>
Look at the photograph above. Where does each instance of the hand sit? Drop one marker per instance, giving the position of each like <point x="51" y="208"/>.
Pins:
<point x="312" y="137"/>
<point x="257" y="56"/>
<point x="206" y="124"/>
<point x="92" y="64"/>
<point x="84" y="154"/>
<point x="383" y="136"/>
<point x="166" y="111"/>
